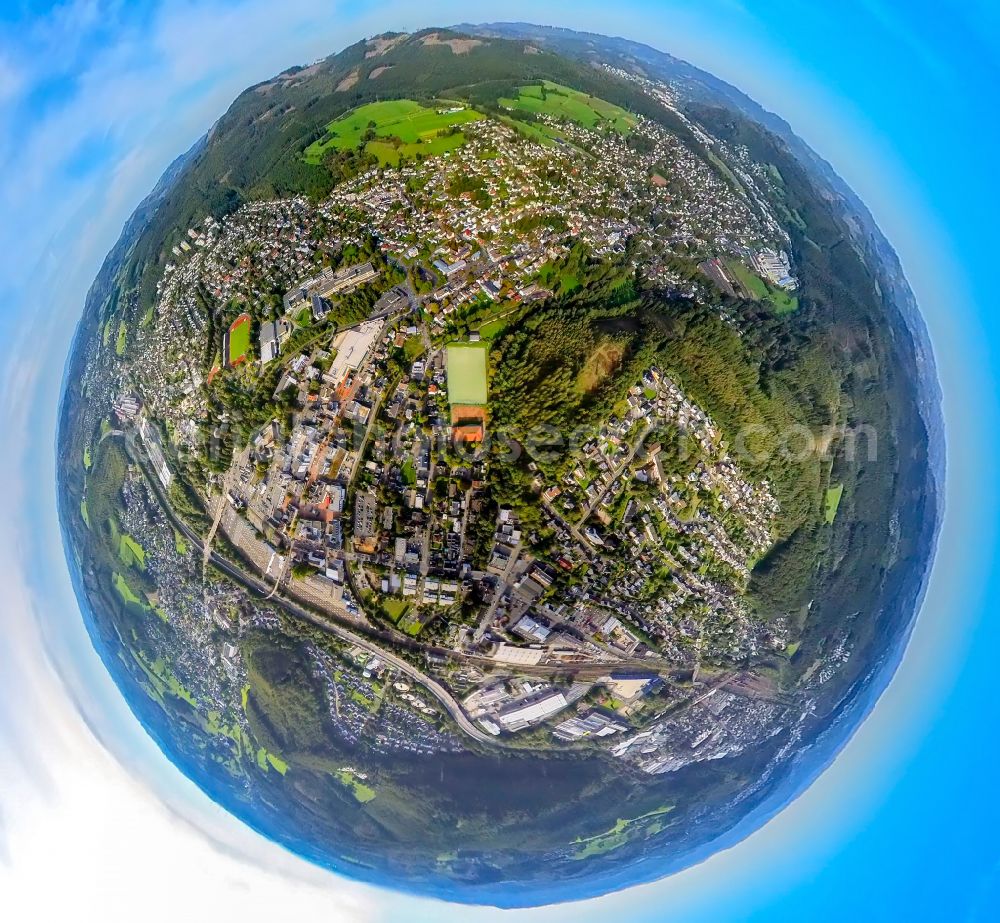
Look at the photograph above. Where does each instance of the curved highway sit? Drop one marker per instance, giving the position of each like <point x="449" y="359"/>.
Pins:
<point x="447" y="700"/>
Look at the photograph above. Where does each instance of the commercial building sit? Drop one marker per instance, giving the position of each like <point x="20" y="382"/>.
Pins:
<point x="352" y="348"/>
<point x="528" y="628"/>
<point x="523" y="656"/>
<point x="449" y="269"/>
<point x="593" y="724"/>
<point x="272" y="336"/>
<point x="128" y="407"/>
<point x="327" y="283"/>
<point x="532" y="710"/>
<point x="774" y="266"/>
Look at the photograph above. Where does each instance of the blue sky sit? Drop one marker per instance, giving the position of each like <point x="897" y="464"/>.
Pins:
<point x="96" y="98"/>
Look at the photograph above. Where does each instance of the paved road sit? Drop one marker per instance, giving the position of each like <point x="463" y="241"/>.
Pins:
<point x="490" y="613"/>
<point x="220" y="510"/>
<point x="240" y="575"/>
<point x="581" y="539"/>
<point x="619" y="471"/>
<point x="375" y="640"/>
<point x="449" y="702"/>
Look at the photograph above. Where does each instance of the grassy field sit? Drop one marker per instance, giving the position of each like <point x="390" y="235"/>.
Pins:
<point x="395" y="608"/>
<point x="831" y="502"/>
<point x="417" y="128"/>
<point x="543" y="134"/>
<point x="560" y="279"/>
<point x="539" y="133"/>
<point x="491" y="324"/>
<point x="265" y="759"/>
<point x="163" y="679"/>
<point x="411" y="625"/>
<point x="122" y="340"/>
<point x="723" y="168"/>
<point x="363" y="793"/>
<point x="126" y="592"/>
<point x="753" y="283"/>
<point x="467" y="374"/>
<point x="413" y="348"/>
<point x="493" y="329"/>
<point x="239" y="339"/>
<point x="389" y="154"/>
<point x="132" y="554"/>
<point x="621" y="833"/>
<point x="564" y="103"/>
<point x="600" y="365"/>
<point x="409" y="473"/>
<point x="781" y="301"/>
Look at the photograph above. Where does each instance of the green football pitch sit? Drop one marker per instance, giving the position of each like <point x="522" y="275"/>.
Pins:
<point x="467" y="374"/>
<point x="239" y="339"/>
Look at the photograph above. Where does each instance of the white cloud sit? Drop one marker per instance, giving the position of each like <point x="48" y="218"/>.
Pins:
<point x="94" y="823"/>
<point x="11" y="80"/>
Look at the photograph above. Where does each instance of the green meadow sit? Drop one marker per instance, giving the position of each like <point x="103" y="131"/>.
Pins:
<point x="561" y="102"/>
<point x="403" y="128"/>
<point x="781" y="301"/>
<point x="831" y="502"/>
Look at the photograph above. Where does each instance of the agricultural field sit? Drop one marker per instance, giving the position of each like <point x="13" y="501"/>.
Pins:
<point x="536" y="131"/>
<point x="363" y="793"/>
<point x="126" y="592"/>
<point x="238" y="340"/>
<point x="132" y="554"/>
<point x="467" y="382"/>
<point x="831" y="502"/>
<point x="403" y="129"/>
<point x="390" y="155"/>
<point x="623" y="831"/>
<point x="561" y="102"/>
<point x="781" y="301"/>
